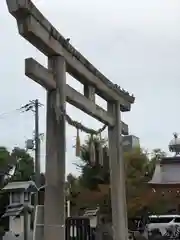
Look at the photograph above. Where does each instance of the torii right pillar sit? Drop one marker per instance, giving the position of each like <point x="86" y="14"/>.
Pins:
<point x="117" y="175"/>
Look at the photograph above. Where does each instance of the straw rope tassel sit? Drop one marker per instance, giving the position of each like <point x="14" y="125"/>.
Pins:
<point x="92" y="151"/>
<point x="78" y="145"/>
<point x="100" y="151"/>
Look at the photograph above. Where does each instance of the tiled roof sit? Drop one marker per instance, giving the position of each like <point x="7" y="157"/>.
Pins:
<point x="24" y="186"/>
<point x="91" y="212"/>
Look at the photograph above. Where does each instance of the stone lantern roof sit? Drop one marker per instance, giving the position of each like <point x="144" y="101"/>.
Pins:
<point x="28" y="186"/>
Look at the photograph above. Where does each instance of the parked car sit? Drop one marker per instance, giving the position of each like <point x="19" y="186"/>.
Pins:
<point x="162" y="222"/>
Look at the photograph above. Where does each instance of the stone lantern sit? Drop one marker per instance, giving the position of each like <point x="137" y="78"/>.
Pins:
<point x="19" y="209"/>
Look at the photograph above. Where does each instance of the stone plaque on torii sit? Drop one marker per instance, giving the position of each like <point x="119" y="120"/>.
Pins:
<point x="62" y="58"/>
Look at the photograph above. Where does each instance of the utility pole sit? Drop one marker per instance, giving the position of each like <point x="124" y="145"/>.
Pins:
<point x="37" y="149"/>
<point x="34" y="107"/>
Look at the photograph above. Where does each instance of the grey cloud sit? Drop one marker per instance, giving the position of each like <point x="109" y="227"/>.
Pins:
<point x="135" y="43"/>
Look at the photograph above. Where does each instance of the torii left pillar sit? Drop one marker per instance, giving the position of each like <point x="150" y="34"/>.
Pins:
<point x="54" y="205"/>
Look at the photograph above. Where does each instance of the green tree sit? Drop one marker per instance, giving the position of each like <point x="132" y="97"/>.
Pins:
<point x="139" y="170"/>
<point x="7" y="162"/>
<point x="24" y="168"/>
<point x="92" y="175"/>
<point x="157" y="154"/>
<point x="71" y="186"/>
<point x="72" y="190"/>
<point x="136" y="162"/>
<point x="17" y="165"/>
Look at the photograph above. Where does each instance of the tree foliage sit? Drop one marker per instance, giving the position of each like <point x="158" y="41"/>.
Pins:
<point x="17" y="165"/>
<point x="7" y="162"/>
<point x="91" y="176"/>
<point x="24" y="167"/>
<point x="139" y="167"/>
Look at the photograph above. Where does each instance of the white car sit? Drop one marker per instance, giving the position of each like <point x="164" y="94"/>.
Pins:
<point x="162" y="222"/>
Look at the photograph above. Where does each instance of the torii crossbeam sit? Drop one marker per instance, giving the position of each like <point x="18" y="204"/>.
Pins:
<point x="62" y="58"/>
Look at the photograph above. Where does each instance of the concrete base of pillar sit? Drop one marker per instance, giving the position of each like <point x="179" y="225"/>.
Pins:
<point x="38" y="233"/>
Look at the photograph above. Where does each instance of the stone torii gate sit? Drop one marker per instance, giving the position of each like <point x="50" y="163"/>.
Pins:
<point x="62" y="58"/>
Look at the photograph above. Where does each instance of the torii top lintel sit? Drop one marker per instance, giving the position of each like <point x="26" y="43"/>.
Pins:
<point x="39" y="31"/>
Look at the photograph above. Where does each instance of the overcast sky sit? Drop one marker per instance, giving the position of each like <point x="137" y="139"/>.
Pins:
<point x="136" y="43"/>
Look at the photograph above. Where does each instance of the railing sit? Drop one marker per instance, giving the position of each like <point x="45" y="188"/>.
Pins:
<point x="78" y="228"/>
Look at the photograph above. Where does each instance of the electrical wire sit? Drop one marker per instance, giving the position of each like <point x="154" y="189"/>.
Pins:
<point x="20" y="111"/>
<point x="5" y="114"/>
<point x="23" y="109"/>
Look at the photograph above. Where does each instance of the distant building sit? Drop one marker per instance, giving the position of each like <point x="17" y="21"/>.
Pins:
<point x="93" y="215"/>
<point x="130" y="142"/>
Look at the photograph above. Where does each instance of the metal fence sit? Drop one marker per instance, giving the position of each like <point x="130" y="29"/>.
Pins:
<point x="78" y="228"/>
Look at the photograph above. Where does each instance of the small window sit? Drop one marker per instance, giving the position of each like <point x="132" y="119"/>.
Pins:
<point x="161" y="220"/>
<point x="26" y="197"/>
<point x="15" y="198"/>
<point x="177" y="220"/>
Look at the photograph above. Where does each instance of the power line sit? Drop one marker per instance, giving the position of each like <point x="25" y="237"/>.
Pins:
<point x="31" y="106"/>
<point x="5" y="114"/>
<point x="25" y="108"/>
